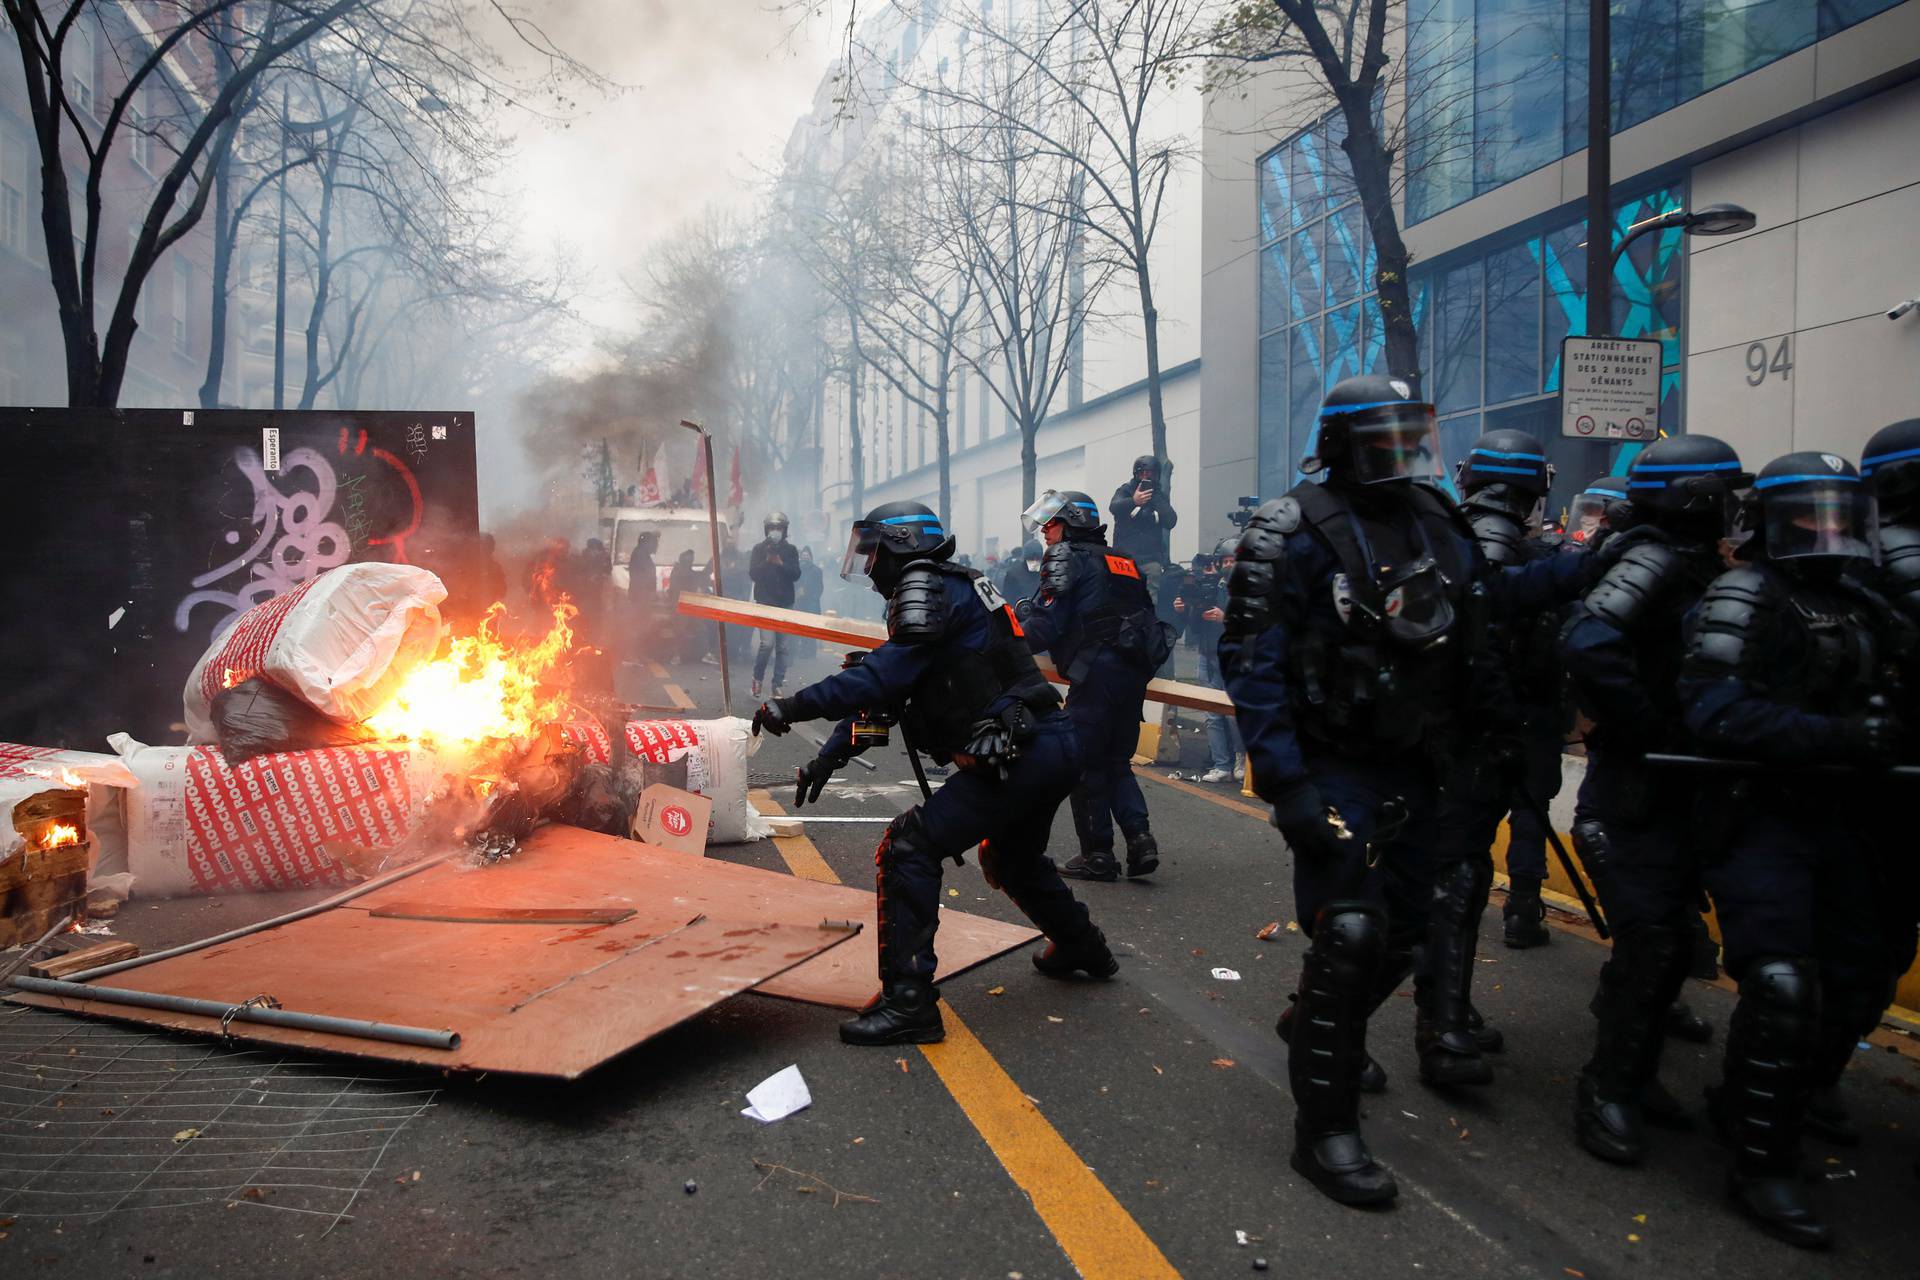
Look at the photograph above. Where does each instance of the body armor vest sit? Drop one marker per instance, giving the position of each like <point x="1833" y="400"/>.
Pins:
<point x="965" y="686"/>
<point x="1122" y="617"/>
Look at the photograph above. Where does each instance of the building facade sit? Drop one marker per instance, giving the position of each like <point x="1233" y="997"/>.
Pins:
<point x="1806" y="113"/>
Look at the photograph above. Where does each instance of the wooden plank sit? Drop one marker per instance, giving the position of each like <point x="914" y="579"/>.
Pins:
<point x="503" y="915"/>
<point x="80" y="961"/>
<point x="857" y="634"/>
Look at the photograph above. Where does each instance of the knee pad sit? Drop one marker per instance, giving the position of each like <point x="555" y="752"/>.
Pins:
<point x="1782" y="985"/>
<point x="1350" y="931"/>
<point x="1454" y="889"/>
<point x="906" y="838"/>
<point x="1591" y="842"/>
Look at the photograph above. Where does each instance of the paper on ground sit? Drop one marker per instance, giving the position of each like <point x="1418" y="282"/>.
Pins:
<point x="778" y="1096"/>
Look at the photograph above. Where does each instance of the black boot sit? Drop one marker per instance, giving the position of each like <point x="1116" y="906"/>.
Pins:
<point x="1088" y="955"/>
<point x="1443" y="1034"/>
<point x="1489" y="1037"/>
<point x="1098" y="864"/>
<point x="1760" y="1107"/>
<point x="1684" y="1024"/>
<point x="1636" y="985"/>
<point x="1524" y="918"/>
<point x="1327" y="1044"/>
<point x="1143" y="855"/>
<point x="907" y="1012"/>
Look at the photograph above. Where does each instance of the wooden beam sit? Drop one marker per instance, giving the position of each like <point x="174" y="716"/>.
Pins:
<point x="857" y="634"/>
<point x="82" y="960"/>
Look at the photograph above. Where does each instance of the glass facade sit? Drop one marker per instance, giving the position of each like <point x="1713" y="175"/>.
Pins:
<point x="1498" y="88"/>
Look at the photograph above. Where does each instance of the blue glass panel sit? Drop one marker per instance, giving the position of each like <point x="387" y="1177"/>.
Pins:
<point x="1564" y="264"/>
<point x="1456" y="339"/>
<point x="1275" y="204"/>
<point x="1838" y="15"/>
<point x="1276" y="450"/>
<point x="1304" y="273"/>
<point x="1274" y="310"/>
<point x="1375" y="349"/>
<point x="1304" y="385"/>
<point x="1513" y="322"/>
<point x="1456" y="437"/>
<point x="1339" y="170"/>
<point x="1646" y="280"/>
<point x="1720" y="41"/>
<point x="1518" y="95"/>
<point x="1350" y="256"/>
<point x="1307" y="167"/>
<point x="1345" y="344"/>
<point x="1440" y="111"/>
<point x="1670" y="401"/>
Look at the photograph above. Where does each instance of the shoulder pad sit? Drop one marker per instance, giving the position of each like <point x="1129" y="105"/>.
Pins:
<point x="1727" y="621"/>
<point x="1056" y="568"/>
<point x="1264" y="538"/>
<point x="1499" y="537"/>
<point x="1637" y="578"/>
<point x="917" y="609"/>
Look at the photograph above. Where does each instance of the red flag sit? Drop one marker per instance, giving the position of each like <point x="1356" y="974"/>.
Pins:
<point x="734" y="495"/>
<point x="700" y="473"/>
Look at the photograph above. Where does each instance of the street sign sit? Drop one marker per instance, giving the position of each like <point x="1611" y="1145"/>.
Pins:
<point x="1610" y="388"/>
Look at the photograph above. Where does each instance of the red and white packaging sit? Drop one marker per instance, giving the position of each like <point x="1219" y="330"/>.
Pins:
<point x="291" y="820"/>
<point x="716" y="752"/>
<point x="342" y="642"/>
<point x="27" y="771"/>
<point x="595" y="744"/>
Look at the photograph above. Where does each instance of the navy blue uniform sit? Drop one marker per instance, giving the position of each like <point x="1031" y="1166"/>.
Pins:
<point x="1094" y="617"/>
<point x="1013" y="815"/>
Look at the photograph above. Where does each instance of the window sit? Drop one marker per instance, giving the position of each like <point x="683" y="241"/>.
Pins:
<point x="77" y="65"/>
<point x="1497" y="88"/>
<point x="137" y="124"/>
<point x="182" y="302"/>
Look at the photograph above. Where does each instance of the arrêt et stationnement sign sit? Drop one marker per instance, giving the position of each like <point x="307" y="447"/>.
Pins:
<point x="1610" y="388"/>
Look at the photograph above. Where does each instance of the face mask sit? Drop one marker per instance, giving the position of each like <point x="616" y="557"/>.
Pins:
<point x="1033" y="566"/>
<point x="777" y="535"/>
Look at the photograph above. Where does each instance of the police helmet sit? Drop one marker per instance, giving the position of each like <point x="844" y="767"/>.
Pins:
<point x="1226" y="547"/>
<point x="1891" y="465"/>
<point x="1373" y="430"/>
<point x="1032" y="550"/>
<point x="1148" y="463"/>
<point x="774" y="520"/>
<point x="1603" y="504"/>
<point x="1509" y="458"/>
<point x="893" y="535"/>
<point x="1686" y="481"/>
<point x="1811" y="507"/>
<point x="1078" y="512"/>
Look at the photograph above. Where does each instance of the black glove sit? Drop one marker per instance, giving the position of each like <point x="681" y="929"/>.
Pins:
<point x="1301" y="814"/>
<point x="811" y="778"/>
<point x="774" y="716"/>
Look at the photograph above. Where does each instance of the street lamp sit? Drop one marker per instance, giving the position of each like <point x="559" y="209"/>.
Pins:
<point x="1714" y="220"/>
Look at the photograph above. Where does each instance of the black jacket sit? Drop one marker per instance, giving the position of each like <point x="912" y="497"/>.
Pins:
<point x="1137" y="530"/>
<point x="774" y="570"/>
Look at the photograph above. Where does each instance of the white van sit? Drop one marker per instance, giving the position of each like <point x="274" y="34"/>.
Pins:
<point x="680" y="529"/>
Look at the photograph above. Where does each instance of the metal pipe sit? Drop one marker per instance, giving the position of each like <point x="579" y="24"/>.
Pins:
<point x="713" y="531"/>
<point x="301" y="914"/>
<point x="20" y="962"/>
<point x="420" y="1037"/>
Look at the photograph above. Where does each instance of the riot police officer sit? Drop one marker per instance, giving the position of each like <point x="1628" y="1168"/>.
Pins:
<point x="963" y="685"/>
<point x="1201" y="606"/>
<point x="1350" y="649"/>
<point x="1782" y="667"/>
<point x="1094" y="616"/>
<point x="1595" y="509"/>
<point x="1622" y="645"/>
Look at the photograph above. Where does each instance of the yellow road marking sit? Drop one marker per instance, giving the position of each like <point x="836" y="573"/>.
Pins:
<point x="678" y="696"/>
<point x="1099" y="1237"/>
<point x="1210" y="796"/>
<point x="657" y="671"/>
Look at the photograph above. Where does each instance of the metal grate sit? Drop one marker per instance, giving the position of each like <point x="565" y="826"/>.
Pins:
<point x="97" y="1118"/>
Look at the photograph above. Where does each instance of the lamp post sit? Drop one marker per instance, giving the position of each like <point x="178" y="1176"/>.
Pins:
<point x="719" y="589"/>
<point x="1710" y="220"/>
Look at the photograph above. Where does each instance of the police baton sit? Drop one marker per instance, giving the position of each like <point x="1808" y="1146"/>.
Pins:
<point x="1545" y="820"/>
<point x="1719" y="764"/>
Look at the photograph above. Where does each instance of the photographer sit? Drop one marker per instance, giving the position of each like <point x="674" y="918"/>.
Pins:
<point x="1201" y="606"/>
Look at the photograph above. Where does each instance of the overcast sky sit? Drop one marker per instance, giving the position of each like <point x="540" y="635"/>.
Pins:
<point x="718" y="85"/>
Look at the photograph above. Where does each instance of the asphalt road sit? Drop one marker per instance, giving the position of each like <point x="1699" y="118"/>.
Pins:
<point x="1166" y="1083"/>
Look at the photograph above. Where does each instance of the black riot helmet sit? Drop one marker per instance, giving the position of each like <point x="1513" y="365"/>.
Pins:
<point x="1032" y="552"/>
<point x="1078" y="512"/>
<point x="1374" y="431"/>
<point x="1510" y="460"/>
<point x="893" y="536"/>
<point x="1891" y="466"/>
<point x="1686" y="484"/>
<point x="1811" y="508"/>
<point x="1146" y="467"/>
<point x="1603" y="504"/>
<point x="775" y="520"/>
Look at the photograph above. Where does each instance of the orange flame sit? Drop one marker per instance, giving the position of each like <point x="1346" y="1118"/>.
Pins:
<point x="59" y="835"/>
<point x="483" y="689"/>
<point x="231" y="677"/>
<point x="64" y="776"/>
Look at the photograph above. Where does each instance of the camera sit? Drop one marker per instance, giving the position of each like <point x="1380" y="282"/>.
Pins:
<point x="1238" y="518"/>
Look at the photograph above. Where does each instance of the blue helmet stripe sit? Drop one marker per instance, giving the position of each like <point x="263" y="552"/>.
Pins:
<point x="913" y="519"/>
<point x="1899" y="455"/>
<point x="1511" y="457"/>
<point x="1603" y="490"/>
<point x="1506" y="471"/>
<point x="1773" y="481"/>
<point x="1088" y="505"/>
<point x="1732" y="464"/>
<point x="1646" y="484"/>
<point x="1335" y="410"/>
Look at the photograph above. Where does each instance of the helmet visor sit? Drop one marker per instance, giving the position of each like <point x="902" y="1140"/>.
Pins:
<point x="1045" y="509"/>
<point x="1587" y="512"/>
<point x="1397" y="441"/>
<point x="1828" y="516"/>
<point x="863" y="543"/>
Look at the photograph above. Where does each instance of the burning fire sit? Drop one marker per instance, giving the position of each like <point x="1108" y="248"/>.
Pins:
<point x="64" y="776"/>
<point x="59" y="835"/>
<point x="483" y="689"/>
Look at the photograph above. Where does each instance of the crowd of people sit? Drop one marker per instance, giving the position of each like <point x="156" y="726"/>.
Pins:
<point x="1406" y="670"/>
